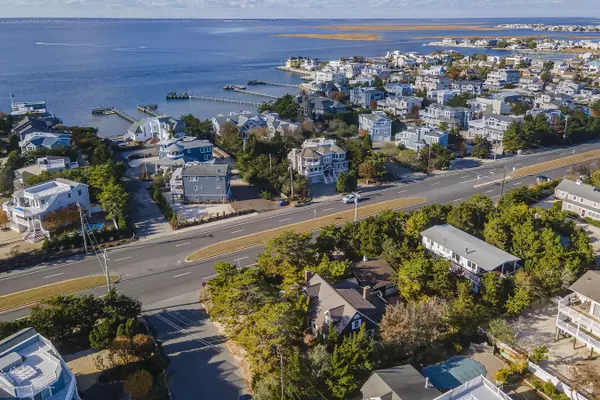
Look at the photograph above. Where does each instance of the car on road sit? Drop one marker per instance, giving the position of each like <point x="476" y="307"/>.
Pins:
<point x="542" y="179"/>
<point x="351" y="198"/>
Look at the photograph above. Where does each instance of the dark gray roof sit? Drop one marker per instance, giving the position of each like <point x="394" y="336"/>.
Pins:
<point x="588" y="285"/>
<point x="205" y="170"/>
<point x="483" y="254"/>
<point x="403" y="382"/>
<point x="13" y="340"/>
<point x="588" y="192"/>
<point x="375" y="273"/>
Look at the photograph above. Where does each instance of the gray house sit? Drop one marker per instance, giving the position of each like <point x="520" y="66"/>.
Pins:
<point x="579" y="198"/>
<point x="403" y="382"/>
<point x="201" y="183"/>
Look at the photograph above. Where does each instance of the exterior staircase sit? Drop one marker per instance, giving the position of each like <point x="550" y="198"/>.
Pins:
<point x="33" y="236"/>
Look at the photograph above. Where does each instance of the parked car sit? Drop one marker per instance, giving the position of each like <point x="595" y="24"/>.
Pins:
<point x="351" y="198"/>
<point x="542" y="179"/>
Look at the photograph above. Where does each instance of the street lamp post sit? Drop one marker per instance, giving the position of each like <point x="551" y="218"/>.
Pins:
<point x="566" y="126"/>
<point x="292" y="183"/>
<point x="355" y="208"/>
<point x="106" y="272"/>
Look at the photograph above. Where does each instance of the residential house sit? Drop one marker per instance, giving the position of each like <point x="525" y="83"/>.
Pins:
<point x="29" y="125"/>
<point x="491" y="126"/>
<point x="32" y="369"/>
<point x="319" y="105"/>
<point x="177" y="152"/>
<point x="161" y="128"/>
<point x="46" y="163"/>
<point x="569" y="88"/>
<point x="494" y="106"/>
<point x="547" y="101"/>
<point x="244" y="121"/>
<point x="377" y="125"/>
<point x="377" y="276"/>
<point x="363" y="97"/>
<point x="469" y="255"/>
<point x="435" y="114"/>
<point x="319" y="160"/>
<point x="338" y="78"/>
<point x="404" y="382"/>
<point x="432" y="82"/>
<point x="47" y="140"/>
<point x="579" y="313"/>
<point x="442" y="96"/>
<point x="399" y="106"/>
<point x="417" y="137"/>
<point x="276" y="125"/>
<point x="552" y="116"/>
<point x="29" y="206"/>
<point x="498" y="79"/>
<point x="201" y="183"/>
<point x="35" y="108"/>
<point x="579" y="198"/>
<point x="399" y="89"/>
<point x="473" y="87"/>
<point x="344" y="306"/>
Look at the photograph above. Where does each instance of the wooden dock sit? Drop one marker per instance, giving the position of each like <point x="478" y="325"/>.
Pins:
<point x="255" y="83"/>
<point x="113" y="110"/>
<point x="222" y="100"/>
<point x="250" y="92"/>
<point x="148" y="109"/>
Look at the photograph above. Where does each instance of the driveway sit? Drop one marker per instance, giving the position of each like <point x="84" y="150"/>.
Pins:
<point x="200" y="365"/>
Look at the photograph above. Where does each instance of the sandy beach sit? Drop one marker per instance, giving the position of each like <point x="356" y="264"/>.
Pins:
<point x="408" y="27"/>
<point x="335" y="36"/>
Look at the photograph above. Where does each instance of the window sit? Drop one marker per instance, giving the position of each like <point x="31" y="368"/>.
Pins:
<point x="581" y="200"/>
<point x="574" y="197"/>
<point x="569" y="207"/>
<point x="69" y="195"/>
<point x="356" y="324"/>
<point x="595" y="205"/>
<point x="472" y="265"/>
<point x="79" y="192"/>
<point x="192" y="178"/>
<point x="455" y="257"/>
<point x="562" y="194"/>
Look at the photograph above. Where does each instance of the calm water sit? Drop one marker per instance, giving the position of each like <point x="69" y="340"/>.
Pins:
<point x="78" y="65"/>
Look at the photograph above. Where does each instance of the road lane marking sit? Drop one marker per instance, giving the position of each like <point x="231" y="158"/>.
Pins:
<point x="53" y="275"/>
<point x="435" y="183"/>
<point x="459" y="199"/>
<point x="464" y="177"/>
<point x="517" y="183"/>
<point x="402" y="191"/>
<point x="180" y="275"/>
<point x="121" y="259"/>
<point x="238" y="231"/>
<point x="285" y="219"/>
<point x="241" y="258"/>
<point x="183" y="244"/>
<point x="329" y="209"/>
<point x="488" y="191"/>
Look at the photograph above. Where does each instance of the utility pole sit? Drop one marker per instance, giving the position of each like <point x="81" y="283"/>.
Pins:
<point x="428" y="159"/>
<point x="83" y="230"/>
<point x="573" y="157"/>
<point x="270" y="162"/>
<point x="292" y="182"/>
<point x="566" y="126"/>
<point x="503" y="179"/>
<point x="355" y="208"/>
<point x="106" y="272"/>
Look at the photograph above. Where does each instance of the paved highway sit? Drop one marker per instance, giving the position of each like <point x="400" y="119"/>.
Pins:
<point x="154" y="271"/>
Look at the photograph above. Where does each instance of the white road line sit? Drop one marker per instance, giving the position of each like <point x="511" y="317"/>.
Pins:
<point x="183" y="244"/>
<point x="329" y="209"/>
<point x="564" y="154"/>
<point x="121" y="259"/>
<point x="518" y="183"/>
<point x="459" y="199"/>
<point x="179" y="275"/>
<point x="285" y="219"/>
<point x="238" y="231"/>
<point x="241" y="258"/>
<point x="488" y="191"/>
<point x="402" y="191"/>
<point x="464" y="177"/>
<point x="52" y="276"/>
<point x="435" y="183"/>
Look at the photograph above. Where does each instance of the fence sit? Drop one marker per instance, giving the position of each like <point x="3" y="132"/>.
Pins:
<point x="548" y="377"/>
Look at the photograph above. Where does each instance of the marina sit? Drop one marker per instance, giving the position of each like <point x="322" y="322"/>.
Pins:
<point x="113" y="110"/>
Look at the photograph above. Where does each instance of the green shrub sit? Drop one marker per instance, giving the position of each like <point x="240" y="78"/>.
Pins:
<point x="503" y="375"/>
<point x="549" y="388"/>
<point x="265" y="195"/>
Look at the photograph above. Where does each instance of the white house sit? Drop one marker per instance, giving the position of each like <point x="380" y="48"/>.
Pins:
<point x="579" y="198"/>
<point x="377" y="125"/>
<point x="442" y="96"/>
<point x="432" y="82"/>
<point x="579" y="313"/>
<point x="44" y="140"/>
<point x="491" y="126"/>
<point x="469" y="255"/>
<point x="319" y="160"/>
<point x="29" y="206"/>
<point x="494" y="106"/>
<point x="399" y="106"/>
<point x="435" y="114"/>
<point x="32" y="369"/>
<point x="161" y="128"/>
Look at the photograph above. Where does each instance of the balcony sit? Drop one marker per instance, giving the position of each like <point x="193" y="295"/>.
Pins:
<point x="577" y="322"/>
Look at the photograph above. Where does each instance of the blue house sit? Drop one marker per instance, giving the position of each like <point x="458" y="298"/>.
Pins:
<point x="32" y="368"/>
<point x="177" y="152"/>
<point x="364" y="96"/>
<point x="417" y="137"/>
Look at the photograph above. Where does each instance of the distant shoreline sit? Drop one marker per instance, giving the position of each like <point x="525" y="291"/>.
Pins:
<point x="407" y="27"/>
<point x="336" y="36"/>
<point x="535" y="36"/>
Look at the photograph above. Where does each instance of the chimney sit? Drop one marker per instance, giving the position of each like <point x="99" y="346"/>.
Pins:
<point x="307" y="276"/>
<point x="366" y="292"/>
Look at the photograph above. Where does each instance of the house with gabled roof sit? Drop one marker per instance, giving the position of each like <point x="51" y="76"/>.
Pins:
<point x="47" y="140"/>
<point x="344" y="306"/>
<point x="319" y="160"/>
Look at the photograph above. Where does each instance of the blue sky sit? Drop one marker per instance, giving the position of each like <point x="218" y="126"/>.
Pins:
<point x="299" y="8"/>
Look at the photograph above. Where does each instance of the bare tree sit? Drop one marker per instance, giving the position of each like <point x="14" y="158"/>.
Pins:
<point x="585" y="378"/>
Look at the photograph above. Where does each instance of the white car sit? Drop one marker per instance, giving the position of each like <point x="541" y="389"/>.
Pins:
<point x="351" y="198"/>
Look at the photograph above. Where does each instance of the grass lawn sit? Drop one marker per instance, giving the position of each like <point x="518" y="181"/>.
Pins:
<point x="32" y="296"/>
<point x="228" y="246"/>
<point x="560" y="162"/>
